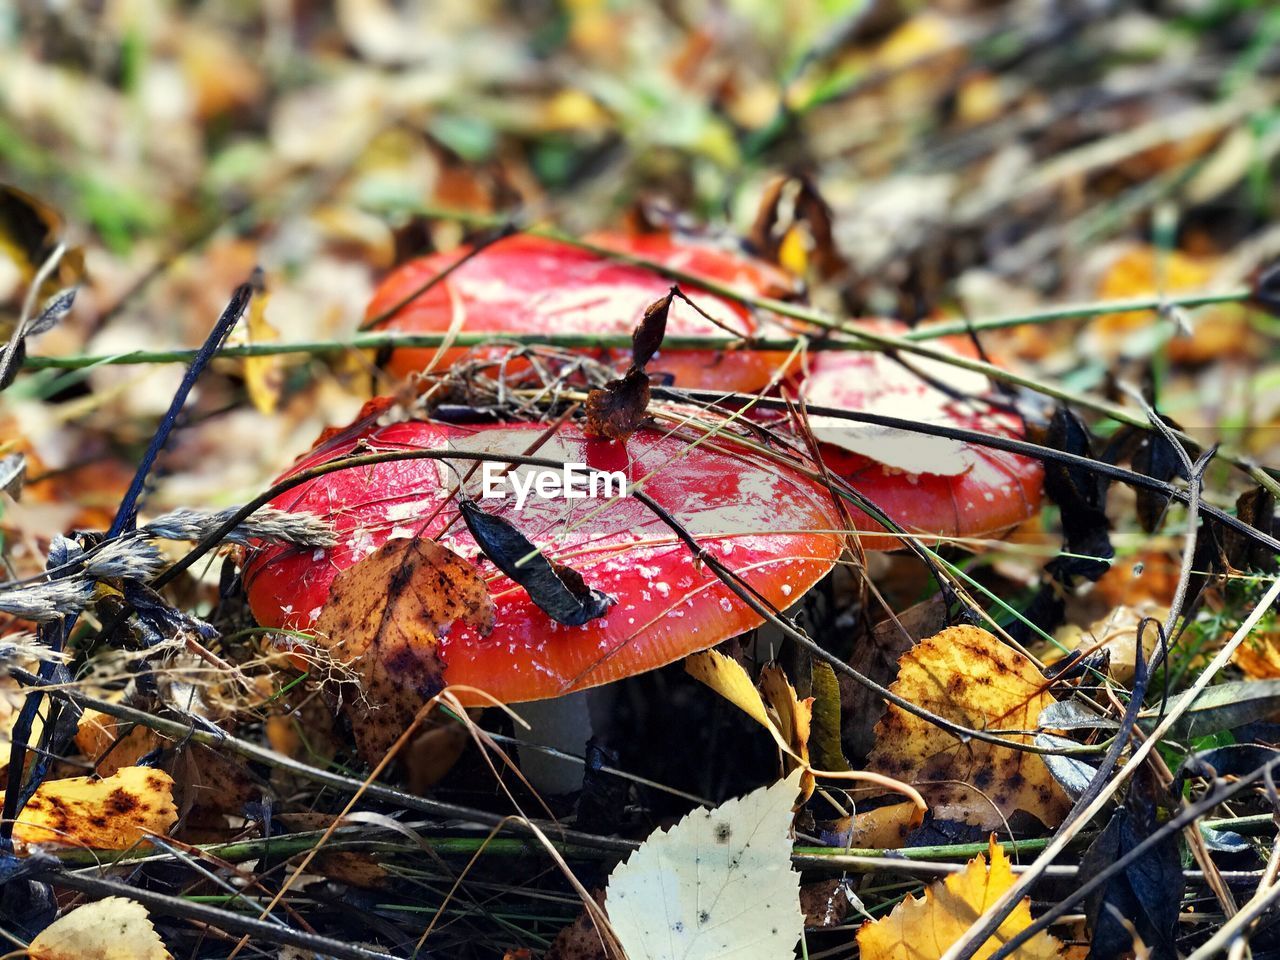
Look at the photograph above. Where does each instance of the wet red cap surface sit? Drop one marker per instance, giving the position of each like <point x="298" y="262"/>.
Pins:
<point x="933" y="486"/>
<point x="765" y="521"/>
<point x="527" y="285"/>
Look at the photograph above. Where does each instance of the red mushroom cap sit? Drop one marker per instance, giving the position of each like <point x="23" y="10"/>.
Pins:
<point x="932" y="486"/>
<point x="768" y="523"/>
<point x="525" y="285"/>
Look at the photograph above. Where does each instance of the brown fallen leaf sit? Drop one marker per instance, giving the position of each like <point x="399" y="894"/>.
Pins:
<point x="1259" y="656"/>
<point x="581" y="940"/>
<point x="825" y="903"/>
<point x="618" y="410"/>
<point x="967" y="676"/>
<point x="431" y="754"/>
<point x="1117" y="634"/>
<point x="876" y="656"/>
<point x="114" y="813"/>
<point x="355" y="868"/>
<point x="110" y="929"/>
<point x="383" y="620"/>
<point x="211" y="785"/>
<point x="923" y="928"/>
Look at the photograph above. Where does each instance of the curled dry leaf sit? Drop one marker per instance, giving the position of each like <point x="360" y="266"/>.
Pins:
<point x="114" y="813"/>
<point x="110" y="929"/>
<point x="793" y="717"/>
<point x="923" y="928"/>
<point x="384" y="620"/>
<point x="967" y="676"/>
<point x="617" y="411"/>
<point x="787" y="718"/>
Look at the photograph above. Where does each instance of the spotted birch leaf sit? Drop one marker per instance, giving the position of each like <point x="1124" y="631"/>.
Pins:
<point x="110" y="929"/>
<point x="717" y="884"/>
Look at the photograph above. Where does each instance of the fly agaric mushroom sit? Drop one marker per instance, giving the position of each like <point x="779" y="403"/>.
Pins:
<point x="528" y="285"/>
<point x="768" y="523"/>
<point x="936" y="487"/>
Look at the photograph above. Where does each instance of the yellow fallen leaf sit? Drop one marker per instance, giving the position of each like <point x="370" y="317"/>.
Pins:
<point x="101" y="735"/>
<point x="572" y="109"/>
<point x="881" y="828"/>
<point x="789" y="724"/>
<point x="1144" y="271"/>
<point x="220" y="75"/>
<point x="114" y="813"/>
<point x="263" y="376"/>
<point x="110" y="929"/>
<point x="1259" y="656"/>
<point x="917" y="57"/>
<point x="923" y="928"/>
<point x="885" y="827"/>
<point x="793" y="718"/>
<point x="12" y="697"/>
<point x="787" y="718"/>
<point x="967" y="676"/>
<point x="726" y="677"/>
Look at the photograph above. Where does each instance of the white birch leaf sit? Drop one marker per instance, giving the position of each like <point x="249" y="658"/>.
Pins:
<point x="718" y="884"/>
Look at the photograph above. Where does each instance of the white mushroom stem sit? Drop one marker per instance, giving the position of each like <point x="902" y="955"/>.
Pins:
<point x="563" y="724"/>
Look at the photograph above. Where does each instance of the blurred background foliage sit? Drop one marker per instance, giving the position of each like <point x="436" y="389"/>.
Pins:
<point x="903" y="158"/>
